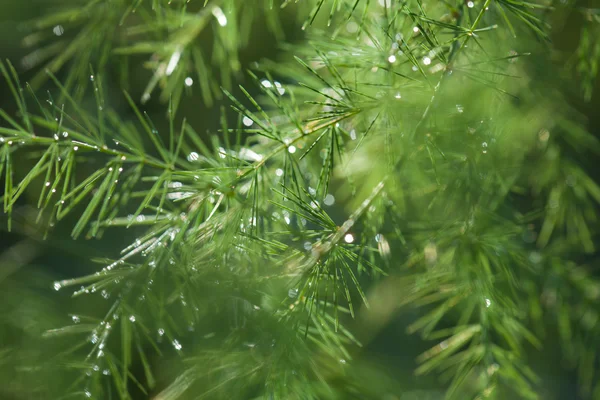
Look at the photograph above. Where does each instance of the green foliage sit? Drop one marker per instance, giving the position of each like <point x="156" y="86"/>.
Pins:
<point x="412" y="163"/>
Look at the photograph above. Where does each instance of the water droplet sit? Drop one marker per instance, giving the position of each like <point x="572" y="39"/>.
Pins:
<point x="398" y="95"/>
<point x="189" y="81"/>
<point x="75" y="319"/>
<point x="488" y="302"/>
<point x="247" y="121"/>
<point x="329" y="200"/>
<point x="58" y="30"/>
<point x="106" y="372"/>
<point x="470" y="4"/>
<point x="293" y="293"/>
<point x="57" y="286"/>
<point x="426" y="60"/>
<point x="279" y="172"/>
<point x="280" y="88"/>
<point x="292" y="149"/>
<point x="87" y="393"/>
<point x="430" y="253"/>
<point x="352" y="27"/>
<point x="219" y="15"/>
<point x="65" y="134"/>
<point x="484" y="145"/>
<point x="348" y="238"/>
<point x="161" y="332"/>
<point x="177" y="345"/>
<point x="535" y="257"/>
<point x="307" y="245"/>
<point x="92" y="78"/>
<point x="132" y="318"/>
<point x="193" y="156"/>
<point x="173" y="61"/>
<point x="392" y="59"/>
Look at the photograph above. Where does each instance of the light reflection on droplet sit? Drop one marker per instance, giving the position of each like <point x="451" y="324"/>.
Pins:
<point x="392" y="59"/>
<point x="426" y="60"/>
<point x="189" y="81"/>
<point x="349" y="238"/>
<point x="292" y="149"/>
<point x="398" y="95"/>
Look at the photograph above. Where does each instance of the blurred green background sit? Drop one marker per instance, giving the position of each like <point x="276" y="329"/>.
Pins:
<point x="29" y="263"/>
